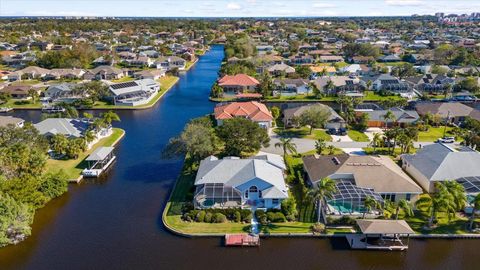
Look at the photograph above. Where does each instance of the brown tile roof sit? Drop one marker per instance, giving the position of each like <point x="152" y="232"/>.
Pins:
<point x="252" y="110"/>
<point x="456" y="109"/>
<point x="239" y="79"/>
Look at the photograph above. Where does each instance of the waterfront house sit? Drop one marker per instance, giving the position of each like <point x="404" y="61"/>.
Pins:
<point x="252" y="110"/>
<point x="170" y="62"/>
<point x="386" y="82"/>
<point x="234" y="182"/>
<point x="19" y="91"/>
<point x="154" y="74"/>
<point x="440" y="162"/>
<point x="61" y="92"/>
<point x="431" y="83"/>
<point x="453" y="112"/>
<point x="234" y="84"/>
<point x="28" y="73"/>
<point x="10" y="120"/>
<point x="134" y="93"/>
<point x="357" y="177"/>
<point x="334" y="120"/>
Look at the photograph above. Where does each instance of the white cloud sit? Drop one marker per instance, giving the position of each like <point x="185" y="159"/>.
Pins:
<point x="404" y="3"/>
<point x="234" y="6"/>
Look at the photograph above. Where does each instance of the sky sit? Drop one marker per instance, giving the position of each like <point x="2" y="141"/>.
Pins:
<point x="233" y="8"/>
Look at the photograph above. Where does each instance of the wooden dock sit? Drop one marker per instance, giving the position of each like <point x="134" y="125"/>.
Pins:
<point x="242" y="240"/>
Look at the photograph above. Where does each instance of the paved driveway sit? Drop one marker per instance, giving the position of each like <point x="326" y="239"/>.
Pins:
<point x="371" y="131"/>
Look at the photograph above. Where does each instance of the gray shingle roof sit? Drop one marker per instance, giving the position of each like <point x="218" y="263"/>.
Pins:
<point x="65" y="126"/>
<point x="439" y="162"/>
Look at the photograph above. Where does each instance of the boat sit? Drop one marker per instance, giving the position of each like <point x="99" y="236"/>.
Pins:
<point x="5" y="109"/>
<point x="53" y="109"/>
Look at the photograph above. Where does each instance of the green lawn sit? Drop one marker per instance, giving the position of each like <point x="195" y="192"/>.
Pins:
<point x="176" y="222"/>
<point x="357" y="136"/>
<point x="385" y="151"/>
<point x="74" y="167"/>
<point x="189" y="64"/>
<point x="299" y="98"/>
<point x="286" y="227"/>
<point x="372" y="96"/>
<point x="433" y="134"/>
<point x="457" y="225"/>
<point x="16" y="103"/>
<point x="304" y="132"/>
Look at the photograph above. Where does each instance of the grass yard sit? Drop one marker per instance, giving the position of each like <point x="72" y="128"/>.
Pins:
<point x="286" y="227"/>
<point x="190" y="64"/>
<point x="74" y="167"/>
<point x="304" y="132"/>
<point x="385" y="151"/>
<point x="433" y="134"/>
<point x="457" y="225"/>
<point x="372" y="96"/>
<point x="16" y="103"/>
<point x="357" y="136"/>
<point x="299" y="98"/>
<point x="176" y="222"/>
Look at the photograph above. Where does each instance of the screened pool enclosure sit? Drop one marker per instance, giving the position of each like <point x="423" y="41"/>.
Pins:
<point x="349" y="199"/>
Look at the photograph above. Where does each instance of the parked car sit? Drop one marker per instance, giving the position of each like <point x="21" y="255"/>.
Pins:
<point x="342" y="131"/>
<point x="446" y="140"/>
<point x="332" y="131"/>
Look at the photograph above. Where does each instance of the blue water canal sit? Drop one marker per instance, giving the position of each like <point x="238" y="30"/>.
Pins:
<point x="115" y="223"/>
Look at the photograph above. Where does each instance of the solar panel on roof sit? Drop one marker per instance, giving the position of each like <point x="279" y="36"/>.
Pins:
<point x="123" y="85"/>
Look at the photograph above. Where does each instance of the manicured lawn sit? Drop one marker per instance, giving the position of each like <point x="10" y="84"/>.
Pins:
<point x="299" y="98"/>
<point x="74" y="167"/>
<point x="304" y="132"/>
<point x="386" y="151"/>
<point x="15" y="103"/>
<point x="176" y="222"/>
<point x="372" y="96"/>
<point x="433" y="134"/>
<point x="287" y="227"/>
<point x="357" y="136"/>
<point x="189" y="65"/>
<point x="457" y="225"/>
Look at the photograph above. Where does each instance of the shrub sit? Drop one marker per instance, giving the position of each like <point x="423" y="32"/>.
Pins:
<point x="200" y="216"/>
<point x="219" y="218"/>
<point x="344" y="220"/>
<point x="318" y="228"/>
<point x="261" y="216"/>
<point x="275" y="216"/>
<point x="238" y="217"/>
<point x="208" y="217"/>
<point x="271" y="216"/>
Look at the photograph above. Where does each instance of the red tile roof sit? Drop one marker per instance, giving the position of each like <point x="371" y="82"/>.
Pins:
<point x="239" y="79"/>
<point x="252" y="110"/>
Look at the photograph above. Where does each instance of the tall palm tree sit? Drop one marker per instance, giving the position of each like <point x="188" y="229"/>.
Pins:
<point x="324" y="189"/>
<point x="376" y="141"/>
<point x="439" y="201"/>
<point x="109" y="117"/>
<point x="329" y="86"/>
<point x="287" y="145"/>
<point x="405" y="206"/>
<point x="320" y="145"/>
<point x="388" y="116"/>
<point x="370" y="203"/>
<point x="458" y="193"/>
<point x="475" y="208"/>
<point x="89" y="136"/>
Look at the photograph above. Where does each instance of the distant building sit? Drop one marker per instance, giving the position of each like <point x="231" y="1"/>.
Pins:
<point x="134" y="93"/>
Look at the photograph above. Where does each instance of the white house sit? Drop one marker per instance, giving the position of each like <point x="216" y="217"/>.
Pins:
<point x="233" y="182"/>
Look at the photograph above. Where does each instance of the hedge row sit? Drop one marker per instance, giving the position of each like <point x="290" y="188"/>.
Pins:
<point x="270" y="216"/>
<point x="218" y="215"/>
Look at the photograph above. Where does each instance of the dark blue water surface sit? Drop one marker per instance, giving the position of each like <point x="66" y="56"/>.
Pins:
<point x="115" y="223"/>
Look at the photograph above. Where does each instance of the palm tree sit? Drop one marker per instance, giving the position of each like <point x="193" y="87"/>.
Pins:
<point x="90" y="136"/>
<point x="287" y="145"/>
<point x="369" y="204"/>
<point x="458" y="193"/>
<point x="441" y="200"/>
<point x="475" y="208"/>
<point x="369" y="85"/>
<point x="324" y="189"/>
<point x="331" y="149"/>
<point x="329" y="86"/>
<point x="33" y="94"/>
<point x="388" y="116"/>
<point x="109" y="117"/>
<point x="405" y="206"/>
<point x="376" y="141"/>
<point x="320" y="145"/>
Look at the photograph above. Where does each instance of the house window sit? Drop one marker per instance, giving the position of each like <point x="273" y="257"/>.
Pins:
<point x="259" y="194"/>
<point x="390" y="197"/>
<point x="274" y="201"/>
<point x="408" y="196"/>
<point x="253" y="189"/>
<point x="246" y="194"/>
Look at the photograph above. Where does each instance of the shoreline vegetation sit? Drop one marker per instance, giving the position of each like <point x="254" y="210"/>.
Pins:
<point x="182" y="191"/>
<point x="73" y="167"/>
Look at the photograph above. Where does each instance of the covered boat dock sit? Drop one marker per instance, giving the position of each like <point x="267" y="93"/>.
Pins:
<point x="98" y="161"/>
<point x="378" y="234"/>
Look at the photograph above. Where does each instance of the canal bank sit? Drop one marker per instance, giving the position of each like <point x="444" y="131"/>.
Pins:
<point x="115" y="222"/>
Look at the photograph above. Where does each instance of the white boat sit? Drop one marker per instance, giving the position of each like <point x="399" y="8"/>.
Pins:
<point x="53" y="109"/>
<point x="5" y="109"/>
